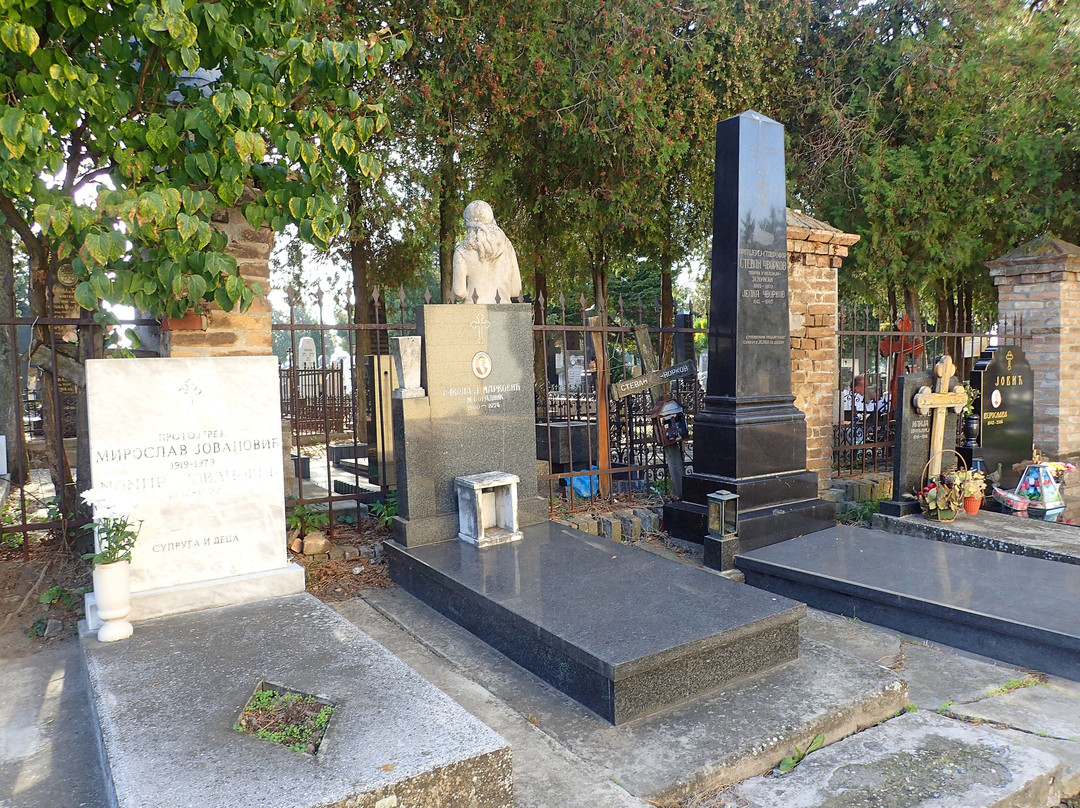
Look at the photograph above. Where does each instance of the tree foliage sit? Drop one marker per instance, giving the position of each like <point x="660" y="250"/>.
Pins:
<point x="125" y="126"/>
<point x="943" y="132"/>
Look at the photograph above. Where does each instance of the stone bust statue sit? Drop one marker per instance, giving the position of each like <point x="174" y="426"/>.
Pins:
<point x="485" y="261"/>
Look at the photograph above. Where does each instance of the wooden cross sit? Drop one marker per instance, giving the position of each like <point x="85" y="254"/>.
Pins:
<point x="938" y="401"/>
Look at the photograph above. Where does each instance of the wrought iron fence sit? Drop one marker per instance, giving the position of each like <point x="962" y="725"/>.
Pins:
<point x="338" y="413"/>
<point x="589" y="443"/>
<point x="594" y="444"/>
<point x="877" y="352"/>
<point x="43" y="416"/>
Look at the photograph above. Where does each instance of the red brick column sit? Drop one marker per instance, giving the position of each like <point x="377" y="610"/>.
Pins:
<point x="815" y="253"/>
<point x="1038" y="284"/>
<point x="233" y="333"/>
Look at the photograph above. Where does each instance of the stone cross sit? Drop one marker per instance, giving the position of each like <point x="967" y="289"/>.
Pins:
<point x="938" y="401"/>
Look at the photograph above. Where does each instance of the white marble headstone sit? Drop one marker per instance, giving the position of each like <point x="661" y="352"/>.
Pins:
<point x="197" y="443"/>
<point x="306" y="356"/>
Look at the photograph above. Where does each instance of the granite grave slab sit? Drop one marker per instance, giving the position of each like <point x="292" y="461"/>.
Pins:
<point x="1010" y="607"/>
<point x="619" y="629"/>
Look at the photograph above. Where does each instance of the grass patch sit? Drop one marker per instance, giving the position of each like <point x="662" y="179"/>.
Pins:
<point x="294" y="720"/>
<point x="1015" y="684"/>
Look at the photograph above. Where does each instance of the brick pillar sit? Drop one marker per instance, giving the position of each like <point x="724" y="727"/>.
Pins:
<point x="1039" y="285"/>
<point x="233" y="333"/>
<point x="815" y="252"/>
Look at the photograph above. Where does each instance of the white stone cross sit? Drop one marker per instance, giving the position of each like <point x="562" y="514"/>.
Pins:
<point x="938" y="401"/>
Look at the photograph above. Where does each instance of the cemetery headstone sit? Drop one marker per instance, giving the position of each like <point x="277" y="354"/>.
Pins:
<point x="477" y="416"/>
<point x="945" y="394"/>
<point x="196" y="442"/>
<point x="684" y="342"/>
<point x="749" y="437"/>
<point x="306" y="357"/>
<point x="380" y="378"/>
<point x="1006" y="403"/>
<point x="913" y="438"/>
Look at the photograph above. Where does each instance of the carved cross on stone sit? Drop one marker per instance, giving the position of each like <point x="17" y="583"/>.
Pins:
<point x="480" y="323"/>
<point x="938" y="401"/>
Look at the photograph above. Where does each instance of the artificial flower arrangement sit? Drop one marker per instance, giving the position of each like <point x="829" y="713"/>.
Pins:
<point x="972" y="482"/>
<point x="941" y="499"/>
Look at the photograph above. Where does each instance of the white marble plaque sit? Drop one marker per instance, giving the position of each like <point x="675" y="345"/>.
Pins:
<point x="197" y="443"/>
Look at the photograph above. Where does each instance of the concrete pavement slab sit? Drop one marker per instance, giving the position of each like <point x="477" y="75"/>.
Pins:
<point x="546" y="773"/>
<point x="742" y="730"/>
<point x="167" y="699"/>
<point x="47" y="747"/>
<point x="920" y="760"/>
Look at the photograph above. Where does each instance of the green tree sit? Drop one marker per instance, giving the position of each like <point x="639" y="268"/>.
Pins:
<point x="943" y="132"/>
<point x="125" y="127"/>
<point x="602" y="125"/>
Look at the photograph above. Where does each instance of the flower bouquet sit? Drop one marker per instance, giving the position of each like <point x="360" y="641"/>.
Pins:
<point x="941" y="500"/>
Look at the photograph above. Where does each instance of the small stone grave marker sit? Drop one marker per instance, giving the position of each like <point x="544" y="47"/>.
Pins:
<point x="1006" y="403"/>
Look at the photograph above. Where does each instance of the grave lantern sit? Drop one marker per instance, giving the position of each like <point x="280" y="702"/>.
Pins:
<point x="669" y="422"/>
<point x="723" y="514"/>
<point x="1038" y="487"/>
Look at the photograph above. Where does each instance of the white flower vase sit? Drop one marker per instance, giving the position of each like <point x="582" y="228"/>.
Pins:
<point x="112" y="591"/>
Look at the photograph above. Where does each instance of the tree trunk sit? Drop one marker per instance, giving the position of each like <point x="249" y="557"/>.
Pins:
<point x="11" y="384"/>
<point x="360" y="257"/>
<point x="599" y="261"/>
<point x="447" y="221"/>
<point x="911" y="307"/>
<point x="540" y="290"/>
<point x="667" y="311"/>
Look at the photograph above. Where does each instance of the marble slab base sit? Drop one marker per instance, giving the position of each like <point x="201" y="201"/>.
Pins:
<point x="207" y="594"/>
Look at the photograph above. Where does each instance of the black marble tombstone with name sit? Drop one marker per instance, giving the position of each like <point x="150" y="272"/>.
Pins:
<point x="913" y="443"/>
<point x="1006" y="403"/>
<point x="750" y="438"/>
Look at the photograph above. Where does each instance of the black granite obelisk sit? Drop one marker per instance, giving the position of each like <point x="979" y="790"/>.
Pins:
<point x="750" y="438"/>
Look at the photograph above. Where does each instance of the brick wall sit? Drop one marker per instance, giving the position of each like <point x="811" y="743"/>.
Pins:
<point x="233" y="333"/>
<point x="1038" y="283"/>
<point x="815" y="252"/>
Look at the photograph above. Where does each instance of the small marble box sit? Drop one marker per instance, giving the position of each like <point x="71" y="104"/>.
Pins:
<point x="487" y="508"/>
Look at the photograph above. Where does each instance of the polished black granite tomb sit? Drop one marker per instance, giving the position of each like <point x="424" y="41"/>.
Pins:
<point x="749" y="437"/>
<point x="621" y="630"/>
<point x="1006" y="407"/>
<point x="1021" y="610"/>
